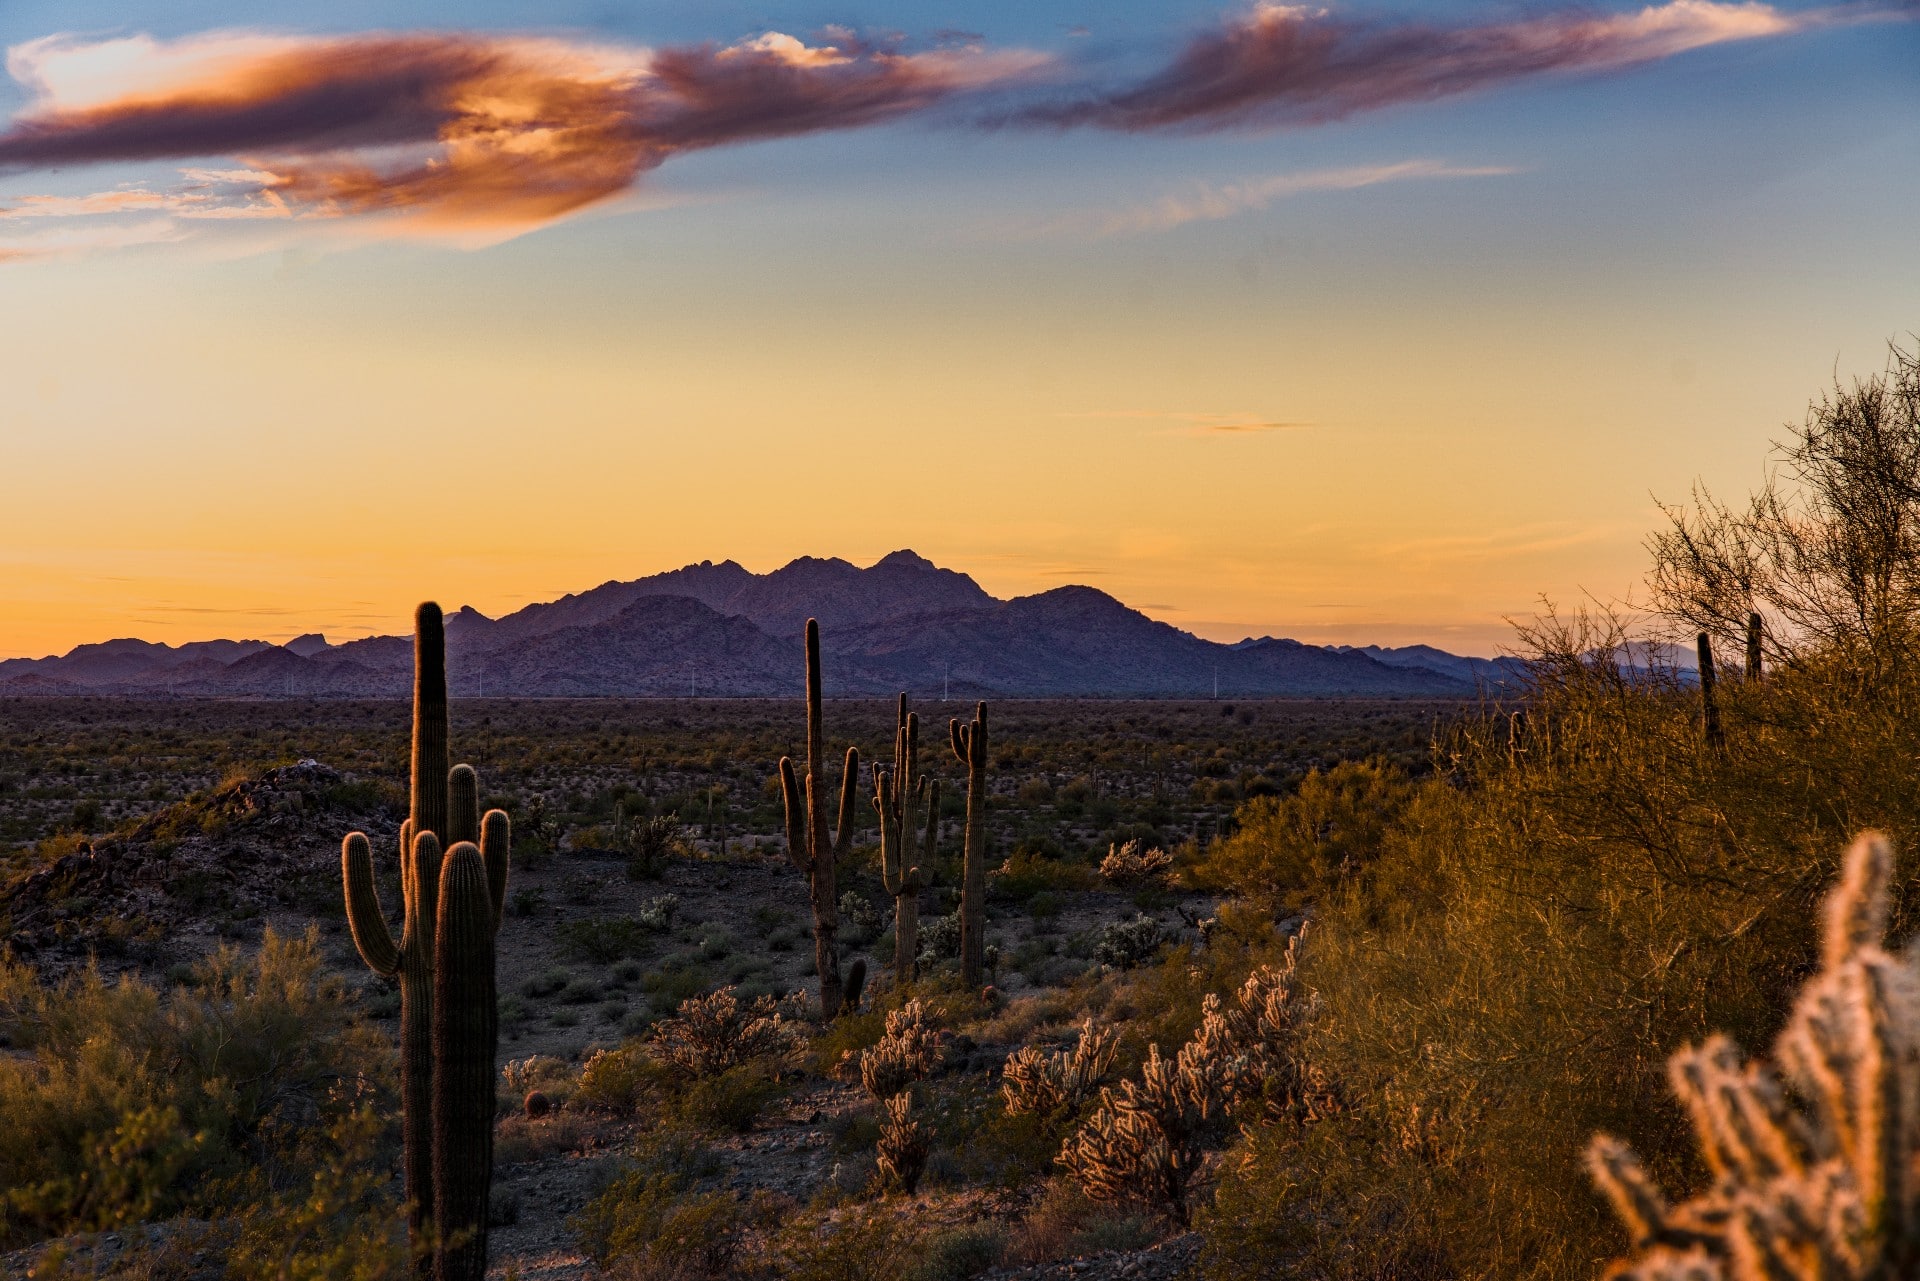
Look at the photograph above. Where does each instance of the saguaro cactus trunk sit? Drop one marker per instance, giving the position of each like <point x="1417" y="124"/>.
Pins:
<point x="809" y="843"/>
<point x="445" y="811"/>
<point x="970" y="749"/>
<point x="1756" y="638"/>
<point x="901" y="797"/>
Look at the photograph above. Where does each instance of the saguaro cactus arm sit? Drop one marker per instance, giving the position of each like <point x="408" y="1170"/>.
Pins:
<point x="496" y="844"/>
<point x="463" y="806"/>
<point x="368" y="923"/>
<point x="794" y="792"/>
<point x="848" y="821"/>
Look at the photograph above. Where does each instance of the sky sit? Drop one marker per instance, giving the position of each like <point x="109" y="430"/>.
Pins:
<point x="1356" y="324"/>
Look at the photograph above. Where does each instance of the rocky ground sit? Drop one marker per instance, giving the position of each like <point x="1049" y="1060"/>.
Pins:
<point x="574" y="976"/>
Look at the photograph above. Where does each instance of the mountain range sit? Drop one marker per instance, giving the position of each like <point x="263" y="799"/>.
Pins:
<point x="719" y="630"/>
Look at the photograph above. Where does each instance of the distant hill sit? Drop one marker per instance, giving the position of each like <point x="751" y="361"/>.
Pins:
<point x="719" y="630"/>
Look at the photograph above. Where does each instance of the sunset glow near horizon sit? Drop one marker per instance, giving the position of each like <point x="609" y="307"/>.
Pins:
<point x="1355" y="325"/>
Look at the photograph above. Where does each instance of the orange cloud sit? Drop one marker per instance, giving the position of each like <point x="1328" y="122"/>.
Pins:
<point x="448" y="128"/>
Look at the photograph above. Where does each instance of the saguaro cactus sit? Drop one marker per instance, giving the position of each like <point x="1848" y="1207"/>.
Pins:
<point x="809" y="844"/>
<point x="1756" y="636"/>
<point x="970" y="749"/>
<point x="447" y="1013"/>
<point x="1709" y="701"/>
<point x="904" y="798"/>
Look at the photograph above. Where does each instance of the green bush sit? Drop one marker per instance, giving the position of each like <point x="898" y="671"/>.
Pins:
<point x="729" y="1102"/>
<point x="652" y="1219"/>
<point x="1286" y="852"/>
<point x="124" y="1103"/>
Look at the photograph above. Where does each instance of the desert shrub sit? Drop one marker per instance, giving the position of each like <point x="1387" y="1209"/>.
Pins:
<point x="901" y="1153"/>
<point x="604" y="940"/>
<point x="858" y="1246"/>
<point x="1285" y="852"/>
<point x="652" y="1220"/>
<point x="123" y="1103"/>
<point x="905" y="1053"/>
<point x="1125" y="944"/>
<point x="959" y="1254"/>
<point x="1580" y="890"/>
<point x="729" y="1102"/>
<point x="1027" y="872"/>
<point x="617" y="1080"/>
<point x="1065" y="1224"/>
<point x="1132" y="864"/>
<point x="1034" y="1082"/>
<point x="339" y="1223"/>
<point x="713" y="1034"/>
<point x="519" y="1137"/>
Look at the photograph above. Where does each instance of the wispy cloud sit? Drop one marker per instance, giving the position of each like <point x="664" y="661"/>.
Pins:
<point x="441" y="131"/>
<point x="1290" y="64"/>
<point x="1194" y="422"/>
<point x="1209" y="202"/>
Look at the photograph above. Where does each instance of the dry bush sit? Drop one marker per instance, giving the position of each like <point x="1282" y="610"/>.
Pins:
<point x="907" y="1053"/>
<point x="1829" y="1188"/>
<point x="901" y="1153"/>
<point x="1035" y="1083"/>
<point x="519" y="1138"/>
<point x="1133" y="865"/>
<point x="711" y="1034"/>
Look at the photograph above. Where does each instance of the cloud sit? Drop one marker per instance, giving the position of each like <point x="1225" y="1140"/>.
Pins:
<point x="1196" y="423"/>
<point x="449" y="130"/>
<point x="1208" y="202"/>
<point x="1286" y="64"/>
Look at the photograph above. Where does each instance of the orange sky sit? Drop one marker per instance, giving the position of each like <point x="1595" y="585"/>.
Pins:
<point x="1389" y="379"/>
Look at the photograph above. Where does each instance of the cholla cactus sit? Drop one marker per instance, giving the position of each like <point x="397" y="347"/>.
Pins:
<point x="522" y="1075"/>
<point x="1828" y="1191"/>
<point x="709" y="1034"/>
<point x="1129" y="864"/>
<point x="1255" y="1041"/>
<point x="1143" y="1144"/>
<point x="1041" y="1084"/>
<point x="901" y="1152"/>
<point x="907" y="1053"/>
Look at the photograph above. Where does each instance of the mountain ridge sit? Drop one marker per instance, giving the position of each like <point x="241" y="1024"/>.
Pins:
<point x="719" y="630"/>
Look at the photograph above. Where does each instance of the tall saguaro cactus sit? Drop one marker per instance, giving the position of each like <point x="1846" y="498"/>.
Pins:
<point x="901" y="797"/>
<point x="446" y="973"/>
<point x="809" y="843"/>
<point x="1756" y="644"/>
<point x="970" y="749"/>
